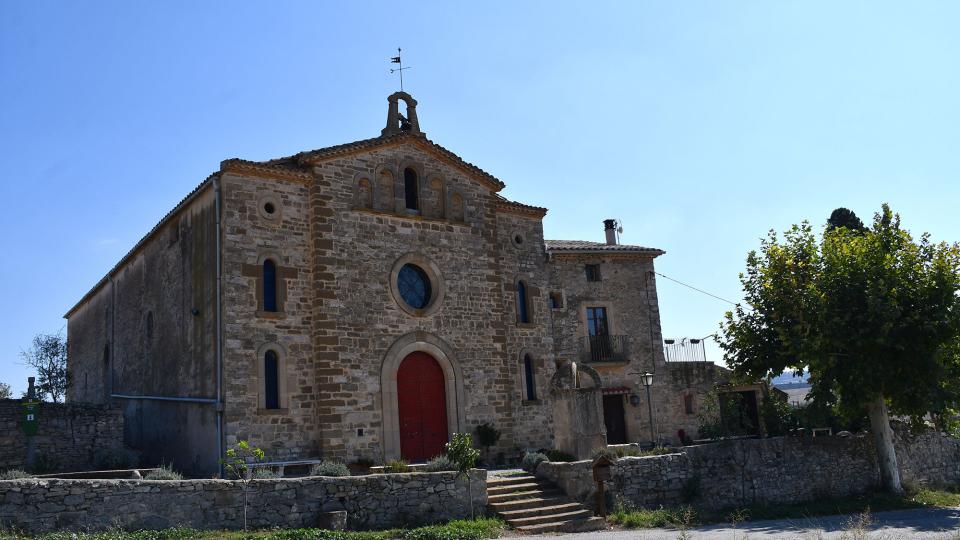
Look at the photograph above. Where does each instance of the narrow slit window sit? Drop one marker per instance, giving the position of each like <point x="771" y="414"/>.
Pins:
<point x="523" y="314"/>
<point x="269" y="286"/>
<point x="528" y="379"/>
<point x="271" y="381"/>
<point x="410" y="189"/>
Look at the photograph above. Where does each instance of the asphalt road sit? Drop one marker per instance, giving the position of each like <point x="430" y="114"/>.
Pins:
<point x="925" y="523"/>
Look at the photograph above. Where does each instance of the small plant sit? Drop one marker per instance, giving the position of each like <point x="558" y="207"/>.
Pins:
<point x="857" y="527"/>
<point x="560" y="456"/>
<point x="165" y="472"/>
<point x="14" y="474"/>
<point x="264" y="473"/>
<point x="656" y="451"/>
<point x="604" y="452"/>
<point x="487" y="436"/>
<point x="397" y="466"/>
<point x="531" y="460"/>
<point x="440" y="463"/>
<point x="237" y="464"/>
<point x="329" y="468"/>
<point x="464" y="456"/>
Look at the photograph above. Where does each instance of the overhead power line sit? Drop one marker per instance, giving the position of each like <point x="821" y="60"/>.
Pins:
<point x="687" y="285"/>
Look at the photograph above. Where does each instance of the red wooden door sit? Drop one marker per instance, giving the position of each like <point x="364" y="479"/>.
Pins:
<point x="422" y="403"/>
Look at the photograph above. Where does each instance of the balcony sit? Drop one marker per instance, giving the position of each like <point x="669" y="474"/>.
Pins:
<point x="603" y="349"/>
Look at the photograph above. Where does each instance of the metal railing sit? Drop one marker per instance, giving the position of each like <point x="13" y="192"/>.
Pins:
<point x="603" y="349"/>
<point x="684" y="350"/>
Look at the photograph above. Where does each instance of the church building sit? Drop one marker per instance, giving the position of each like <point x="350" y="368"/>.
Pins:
<point x="365" y="302"/>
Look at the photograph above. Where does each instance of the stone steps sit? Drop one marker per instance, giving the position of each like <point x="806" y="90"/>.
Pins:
<point x="531" y="504"/>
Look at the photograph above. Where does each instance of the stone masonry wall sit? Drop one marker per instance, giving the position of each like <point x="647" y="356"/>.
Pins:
<point x="754" y="471"/>
<point x="69" y="436"/>
<point x="628" y="291"/>
<point x="371" y="502"/>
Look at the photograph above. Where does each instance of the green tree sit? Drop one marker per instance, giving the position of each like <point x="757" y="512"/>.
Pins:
<point x="842" y="217"/>
<point x="874" y="316"/>
<point x="48" y="357"/>
<point x="5" y="391"/>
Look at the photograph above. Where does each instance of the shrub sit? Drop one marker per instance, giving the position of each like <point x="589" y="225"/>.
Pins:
<point x="440" y="463"/>
<point x="329" y="468"/>
<point x="265" y="473"/>
<point x="165" y="472"/>
<point x="656" y="451"/>
<point x="560" y="456"/>
<point x="397" y="466"/>
<point x="487" y="435"/>
<point x="238" y="459"/>
<point x="14" y="474"/>
<point x="604" y="452"/>
<point x="531" y="460"/>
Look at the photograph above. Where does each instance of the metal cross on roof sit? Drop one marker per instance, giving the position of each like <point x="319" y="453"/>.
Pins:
<point x="396" y="60"/>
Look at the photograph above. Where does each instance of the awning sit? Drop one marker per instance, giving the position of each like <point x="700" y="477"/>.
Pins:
<point x="615" y="390"/>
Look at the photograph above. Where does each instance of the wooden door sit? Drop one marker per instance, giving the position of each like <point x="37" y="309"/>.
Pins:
<point x="613" y="418"/>
<point x="422" y="404"/>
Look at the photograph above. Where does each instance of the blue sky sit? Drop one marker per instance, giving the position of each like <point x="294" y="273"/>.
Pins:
<point x="700" y="125"/>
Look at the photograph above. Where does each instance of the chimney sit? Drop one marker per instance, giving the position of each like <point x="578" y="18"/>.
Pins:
<point x="610" y="229"/>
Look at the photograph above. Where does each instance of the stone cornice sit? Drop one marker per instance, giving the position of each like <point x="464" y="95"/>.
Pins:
<point x="241" y="167"/>
<point x="518" y="209"/>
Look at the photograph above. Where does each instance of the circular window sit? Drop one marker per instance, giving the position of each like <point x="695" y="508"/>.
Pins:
<point x="414" y="286"/>
<point x="516" y="240"/>
<point x="268" y="206"/>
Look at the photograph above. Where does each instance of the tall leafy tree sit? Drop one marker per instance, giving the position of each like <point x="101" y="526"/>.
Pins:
<point x="843" y="217"/>
<point x="874" y="316"/>
<point x="5" y="391"/>
<point x="48" y="357"/>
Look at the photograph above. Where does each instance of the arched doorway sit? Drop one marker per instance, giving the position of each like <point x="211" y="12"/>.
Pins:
<point x="422" y="407"/>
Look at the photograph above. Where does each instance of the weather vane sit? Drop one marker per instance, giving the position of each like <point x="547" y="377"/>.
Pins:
<point x="396" y="60"/>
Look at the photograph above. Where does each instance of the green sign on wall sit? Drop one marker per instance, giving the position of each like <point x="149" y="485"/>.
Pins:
<point x="31" y="410"/>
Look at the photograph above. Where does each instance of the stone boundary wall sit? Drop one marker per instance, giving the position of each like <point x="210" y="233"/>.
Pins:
<point x="757" y="471"/>
<point x="371" y="502"/>
<point x="69" y="437"/>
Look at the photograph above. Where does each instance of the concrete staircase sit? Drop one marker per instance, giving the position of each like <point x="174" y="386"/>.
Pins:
<point x="533" y="505"/>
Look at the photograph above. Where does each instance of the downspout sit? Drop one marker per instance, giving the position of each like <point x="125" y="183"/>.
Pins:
<point x="219" y="323"/>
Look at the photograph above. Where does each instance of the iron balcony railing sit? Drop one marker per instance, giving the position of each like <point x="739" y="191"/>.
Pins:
<point x="684" y="350"/>
<point x="604" y="349"/>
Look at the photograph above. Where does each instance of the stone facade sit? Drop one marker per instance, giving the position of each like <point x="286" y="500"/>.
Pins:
<point x="371" y="502"/>
<point x="70" y="437"/>
<point x="182" y="330"/>
<point x="760" y="471"/>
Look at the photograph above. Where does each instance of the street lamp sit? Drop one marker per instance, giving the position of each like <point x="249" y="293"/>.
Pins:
<point x="647" y="379"/>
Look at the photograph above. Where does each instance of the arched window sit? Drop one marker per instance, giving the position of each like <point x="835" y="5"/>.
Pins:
<point x="271" y="381"/>
<point x="410" y="189"/>
<point x="530" y="384"/>
<point x="269" y="285"/>
<point x="523" y="314"/>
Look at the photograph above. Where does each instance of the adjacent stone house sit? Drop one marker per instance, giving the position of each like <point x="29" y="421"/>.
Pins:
<point x="366" y="301"/>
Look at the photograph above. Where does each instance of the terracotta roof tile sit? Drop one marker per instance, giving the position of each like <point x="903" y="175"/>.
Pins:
<point x="571" y="246"/>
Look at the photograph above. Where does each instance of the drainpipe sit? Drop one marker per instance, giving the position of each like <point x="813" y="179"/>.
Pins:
<point x="219" y="322"/>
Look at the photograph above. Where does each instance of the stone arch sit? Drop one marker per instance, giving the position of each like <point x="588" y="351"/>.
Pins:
<point x="384" y="197"/>
<point x="453" y="376"/>
<point x="362" y="192"/>
<point x="434" y="196"/>
<point x="397" y="124"/>
<point x="418" y="169"/>
<point x="458" y="209"/>
<point x="282" y="375"/>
